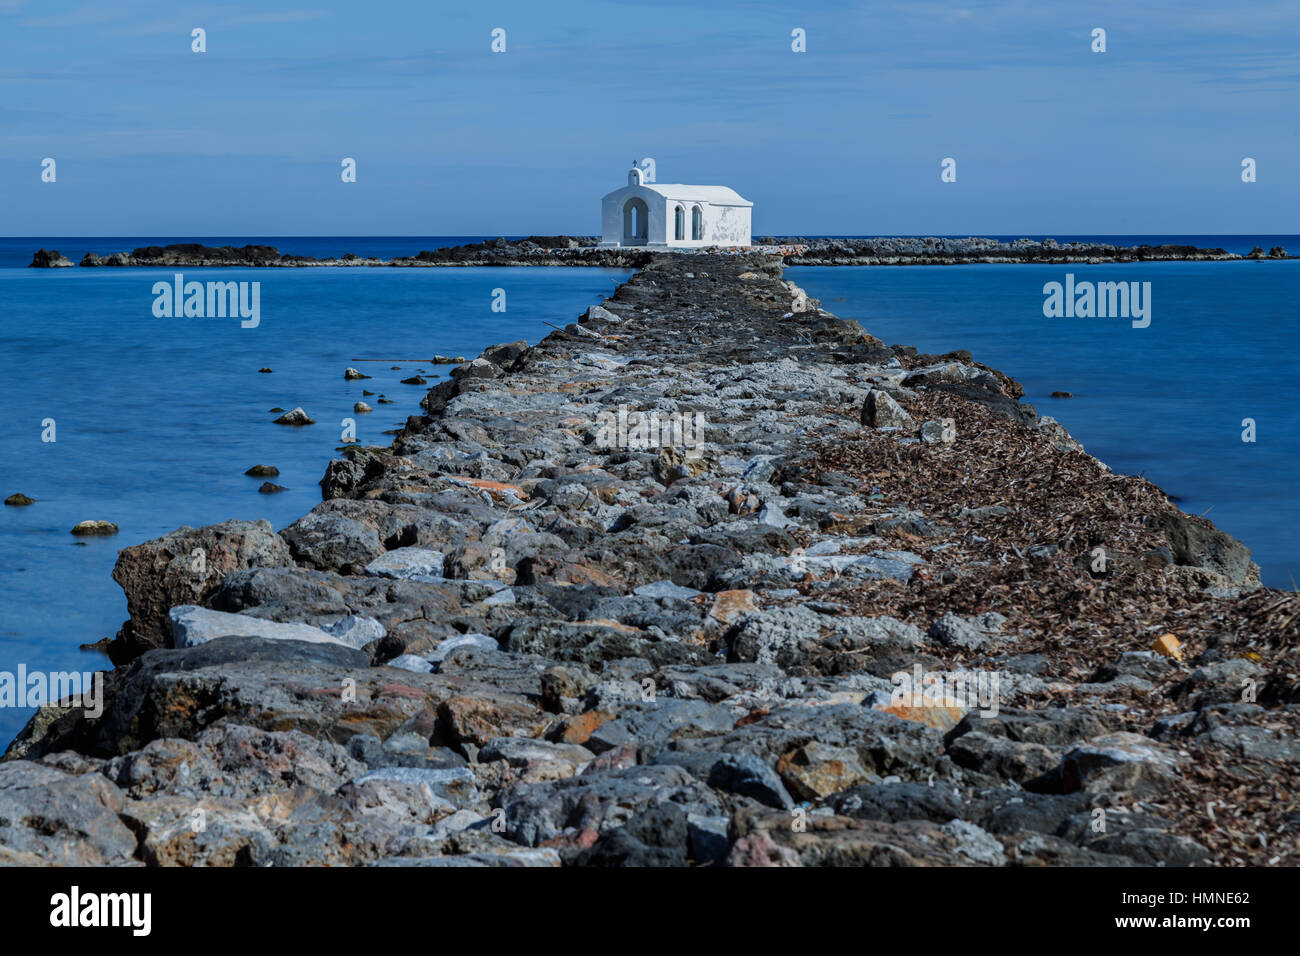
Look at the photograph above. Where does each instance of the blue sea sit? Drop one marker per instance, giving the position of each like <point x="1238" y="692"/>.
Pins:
<point x="156" y="420"/>
<point x="1169" y="401"/>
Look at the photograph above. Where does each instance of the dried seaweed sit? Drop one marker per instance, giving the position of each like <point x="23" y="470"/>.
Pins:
<point x="1063" y="504"/>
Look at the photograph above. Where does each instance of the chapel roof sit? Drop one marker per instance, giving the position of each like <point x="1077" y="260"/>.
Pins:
<point x="718" y="195"/>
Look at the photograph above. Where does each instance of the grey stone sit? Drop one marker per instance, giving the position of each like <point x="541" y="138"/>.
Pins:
<point x="329" y="541"/>
<point x="666" y="589"/>
<point x="975" y="843"/>
<point x="749" y="776"/>
<point x="56" y="819"/>
<point x="881" y="411"/>
<point x="520" y="751"/>
<point x="455" y="785"/>
<point x="411" y="662"/>
<point x="543" y="857"/>
<point x="407" y="563"/>
<point x="1002" y="757"/>
<point x="160" y="574"/>
<point x="937" y="433"/>
<point x="1081" y="764"/>
<point x="708" y="839"/>
<point x="956" y="631"/>
<point x="541" y="811"/>
<point x="1201" y="545"/>
<point x="356" y="631"/>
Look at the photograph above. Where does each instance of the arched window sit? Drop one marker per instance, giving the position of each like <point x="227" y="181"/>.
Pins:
<point x="697" y="223"/>
<point x="679" y="223"/>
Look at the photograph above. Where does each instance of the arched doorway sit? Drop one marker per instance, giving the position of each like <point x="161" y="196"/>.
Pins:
<point x="636" y="222"/>
<point x="697" y="223"/>
<point x="679" y="224"/>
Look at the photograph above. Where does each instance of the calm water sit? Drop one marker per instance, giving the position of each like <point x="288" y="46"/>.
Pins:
<point x="1166" y="401"/>
<point x="157" y="419"/>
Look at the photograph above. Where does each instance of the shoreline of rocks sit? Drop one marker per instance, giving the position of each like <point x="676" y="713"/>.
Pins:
<point x="585" y="251"/>
<point x="708" y="577"/>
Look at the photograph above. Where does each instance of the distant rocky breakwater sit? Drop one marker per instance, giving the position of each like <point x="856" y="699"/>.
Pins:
<point x="932" y="251"/>
<point x="884" y="614"/>
<point x="585" y="251"/>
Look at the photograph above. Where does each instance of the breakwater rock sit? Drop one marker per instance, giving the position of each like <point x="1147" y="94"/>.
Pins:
<point x="708" y="577"/>
<point x="533" y="251"/>
<point x="50" y="259"/>
<point x="585" y="251"/>
<point x="948" y="251"/>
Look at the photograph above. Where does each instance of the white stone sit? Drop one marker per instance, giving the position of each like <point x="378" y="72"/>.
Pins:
<point x="192" y="625"/>
<point x="410" y="662"/>
<point x="666" y="589"/>
<point x="598" y="313"/>
<point x="772" y="516"/>
<point x="463" y="640"/>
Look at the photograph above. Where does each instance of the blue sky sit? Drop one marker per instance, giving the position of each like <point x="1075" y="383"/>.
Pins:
<point x="452" y="139"/>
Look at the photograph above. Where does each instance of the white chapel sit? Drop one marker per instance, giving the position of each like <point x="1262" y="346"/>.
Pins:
<point x="671" y="215"/>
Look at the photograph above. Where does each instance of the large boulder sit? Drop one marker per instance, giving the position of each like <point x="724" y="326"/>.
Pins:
<point x="185" y="567"/>
<point x="52" y="818"/>
<point x="1197" y="543"/>
<point x="269" y="685"/>
<point x="50" y="259"/>
<point x="329" y="541"/>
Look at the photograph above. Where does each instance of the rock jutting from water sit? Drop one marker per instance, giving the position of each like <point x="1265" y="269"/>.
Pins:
<point x="93" y="528"/>
<point x="650" y="592"/>
<point x="295" y="416"/>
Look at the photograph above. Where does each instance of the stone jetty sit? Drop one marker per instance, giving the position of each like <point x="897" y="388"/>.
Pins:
<point x="709" y="577"/>
<point x="586" y="251"/>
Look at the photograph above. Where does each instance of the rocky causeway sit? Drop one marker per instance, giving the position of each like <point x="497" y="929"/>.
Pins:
<point x="709" y="577"/>
<point x="586" y="251"/>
